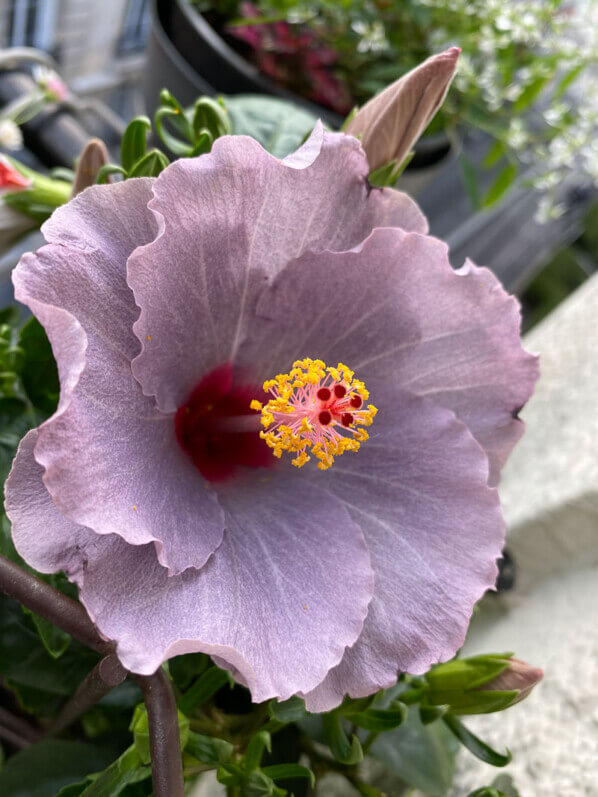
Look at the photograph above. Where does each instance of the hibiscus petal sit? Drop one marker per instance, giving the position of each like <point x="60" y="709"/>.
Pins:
<point x="434" y="529"/>
<point x="245" y="214"/>
<point x="45" y="539"/>
<point x="112" y="461"/>
<point x="394" y="305"/>
<point x="286" y="591"/>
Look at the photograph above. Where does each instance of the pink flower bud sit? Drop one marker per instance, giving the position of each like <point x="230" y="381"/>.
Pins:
<point x="11" y="178"/>
<point x="93" y="157"/>
<point x="518" y="675"/>
<point x="390" y="123"/>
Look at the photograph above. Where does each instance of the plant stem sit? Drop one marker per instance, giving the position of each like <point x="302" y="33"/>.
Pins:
<point x="46" y="601"/>
<point x="165" y="743"/>
<point x="14" y="738"/>
<point x="107" y="674"/>
<point x="19" y="725"/>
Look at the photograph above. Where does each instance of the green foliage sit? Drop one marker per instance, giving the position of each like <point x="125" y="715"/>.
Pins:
<point x="476" y="746"/>
<point x="252" y="780"/>
<point x="423" y="756"/>
<point x="255" y="750"/>
<point x="42" y="197"/>
<point x="290" y="710"/>
<point x="204" y="688"/>
<point x="195" y="129"/>
<point x="344" y="750"/>
<point x="45" y="768"/>
<point x="518" y="61"/>
<point x="134" y="142"/>
<point x="209" y="750"/>
<point x="279" y="125"/>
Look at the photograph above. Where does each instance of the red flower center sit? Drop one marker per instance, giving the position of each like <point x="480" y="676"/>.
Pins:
<point x="219" y="430"/>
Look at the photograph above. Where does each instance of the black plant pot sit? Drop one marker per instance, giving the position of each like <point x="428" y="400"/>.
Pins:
<point x="187" y="56"/>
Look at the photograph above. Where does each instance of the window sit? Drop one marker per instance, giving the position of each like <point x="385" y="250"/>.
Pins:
<point x="31" y="23"/>
<point x="136" y="24"/>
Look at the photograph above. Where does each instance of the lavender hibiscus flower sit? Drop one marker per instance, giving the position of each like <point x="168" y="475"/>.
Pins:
<point x="237" y="293"/>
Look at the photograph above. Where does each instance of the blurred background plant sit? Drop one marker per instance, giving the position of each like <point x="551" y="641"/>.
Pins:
<point x="522" y="77"/>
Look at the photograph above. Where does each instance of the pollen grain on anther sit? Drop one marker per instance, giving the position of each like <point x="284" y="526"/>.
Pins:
<point x="317" y="409"/>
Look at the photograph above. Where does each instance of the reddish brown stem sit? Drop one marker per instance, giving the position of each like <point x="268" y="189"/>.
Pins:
<point x="46" y="601"/>
<point x="165" y="743"/>
<point x="107" y="674"/>
<point x="65" y="613"/>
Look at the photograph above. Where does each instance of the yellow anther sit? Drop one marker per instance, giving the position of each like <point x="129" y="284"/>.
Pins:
<point x="300" y="421"/>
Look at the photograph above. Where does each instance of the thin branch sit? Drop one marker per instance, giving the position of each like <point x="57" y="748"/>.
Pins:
<point x="46" y="601"/>
<point x="107" y="674"/>
<point x="165" y="743"/>
<point x="14" y="738"/>
<point x="19" y="725"/>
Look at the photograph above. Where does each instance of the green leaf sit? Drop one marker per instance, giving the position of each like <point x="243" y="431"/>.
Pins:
<point x="16" y="419"/>
<point x="44" y="768"/>
<point x="39" y="372"/>
<point x="40" y="681"/>
<point x="504" y="783"/>
<point x="470" y="673"/>
<point x="380" y="720"/>
<point x="127" y="769"/>
<point x="140" y="728"/>
<point x="345" y="751"/>
<point x="428" y="714"/>
<point x="530" y="93"/>
<point x="567" y="80"/>
<point x="501" y="185"/>
<point x="134" y="142"/>
<point x="366" y="790"/>
<point x="476" y="746"/>
<point x="257" y="784"/>
<point x="288" y="771"/>
<point x="75" y="790"/>
<point x="230" y="774"/>
<point x="470" y="181"/>
<point x="62" y="173"/>
<point x="353" y="705"/>
<point x="278" y="125"/>
<point x="184" y="669"/>
<point x="172" y="111"/>
<point x="349" y="118"/>
<point x="208" y="749"/>
<point x="55" y="640"/>
<point x="107" y="170"/>
<point x="150" y="165"/>
<point x="204" y="688"/>
<point x="494" y="154"/>
<point x="384" y="175"/>
<point x="476" y="701"/>
<point x="259" y="742"/>
<point x="211" y="115"/>
<point x="422" y="756"/>
<point x="291" y="710"/>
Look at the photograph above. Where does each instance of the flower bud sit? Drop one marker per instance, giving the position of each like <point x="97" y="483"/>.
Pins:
<point x="518" y="676"/>
<point x="94" y="156"/>
<point x="11" y="178"/>
<point x="480" y="684"/>
<point x="390" y="123"/>
<point x="51" y="83"/>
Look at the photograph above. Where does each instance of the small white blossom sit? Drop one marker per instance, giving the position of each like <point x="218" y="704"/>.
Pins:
<point x="11" y="137"/>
